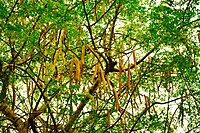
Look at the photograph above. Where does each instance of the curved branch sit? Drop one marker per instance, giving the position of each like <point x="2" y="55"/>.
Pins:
<point x="146" y="109"/>
<point x="136" y="86"/>
<point x="104" y="14"/>
<point x="43" y="96"/>
<point x="138" y="62"/>
<point x="88" y="24"/>
<point x="11" y="11"/>
<point x="75" y="114"/>
<point x="17" y="122"/>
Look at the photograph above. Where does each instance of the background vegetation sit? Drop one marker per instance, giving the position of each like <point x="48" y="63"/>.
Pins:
<point x="99" y="66"/>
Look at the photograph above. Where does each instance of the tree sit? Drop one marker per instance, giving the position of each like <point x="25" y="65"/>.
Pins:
<point x="99" y="66"/>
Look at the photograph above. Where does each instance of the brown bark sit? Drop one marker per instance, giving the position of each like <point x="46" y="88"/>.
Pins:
<point x="75" y="114"/>
<point x="17" y="122"/>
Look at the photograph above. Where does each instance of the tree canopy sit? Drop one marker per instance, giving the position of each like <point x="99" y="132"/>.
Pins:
<point x="99" y="66"/>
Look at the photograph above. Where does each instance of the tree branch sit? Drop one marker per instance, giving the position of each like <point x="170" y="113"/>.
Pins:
<point x="11" y="11"/>
<point x="17" y="122"/>
<point x="75" y="114"/>
<point x="146" y="109"/>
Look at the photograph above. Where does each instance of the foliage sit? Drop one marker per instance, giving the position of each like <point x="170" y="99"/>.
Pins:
<point x="99" y="66"/>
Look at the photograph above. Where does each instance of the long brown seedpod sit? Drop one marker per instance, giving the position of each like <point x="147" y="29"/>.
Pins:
<point x="122" y="123"/>
<point x="56" y="57"/>
<point x="120" y="74"/>
<point x="28" y="89"/>
<point x="129" y="79"/>
<point x="129" y="75"/>
<point x="135" y="61"/>
<point x="114" y="92"/>
<point x="109" y="85"/>
<point x="104" y="38"/>
<point x="95" y="72"/>
<point x="98" y="73"/>
<point x="82" y="59"/>
<point x="122" y="46"/>
<point x="116" y="99"/>
<point x="42" y="61"/>
<point x="95" y="12"/>
<point x="83" y="55"/>
<point x="63" y="56"/>
<point x="14" y="96"/>
<point x="63" y="35"/>
<point x="100" y="91"/>
<point x="78" y="70"/>
<point x="134" y="58"/>
<point x="103" y="8"/>
<point x="103" y="79"/>
<point x="108" y="118"/>
<point x="147" y="103"/>
<point x="99" y="81"/>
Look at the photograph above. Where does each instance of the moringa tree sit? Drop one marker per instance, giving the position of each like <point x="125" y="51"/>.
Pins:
<point x="99" y="66"/>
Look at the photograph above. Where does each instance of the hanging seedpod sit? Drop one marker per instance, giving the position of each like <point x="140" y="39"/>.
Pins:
<point x="56" y="57"/>
<point x="129" y="78"/>
<point x="103" y="8"/>
<point x="108" y="118"/>
<point x="14" y="95"/>
<point x="63" y="36"/>
<point x="99" y="81"/>
<point x="103" y="79"/>
<point x="114" y="92"/>
<point x="95" y="72"/>
<point x="122" y="123"/>
<point x="104" y="39"/>
<point x="28" y="89"/>
<point x="63" y="56"/>
<point x="42" y="61"/>
<point x="83" y="55"/>
<point x="78" y="70"/>
<point x="120" y="74"/>
<point x="95" y="12"/>
<point x="135" y="61"/>
<point x="116" y="99"/>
